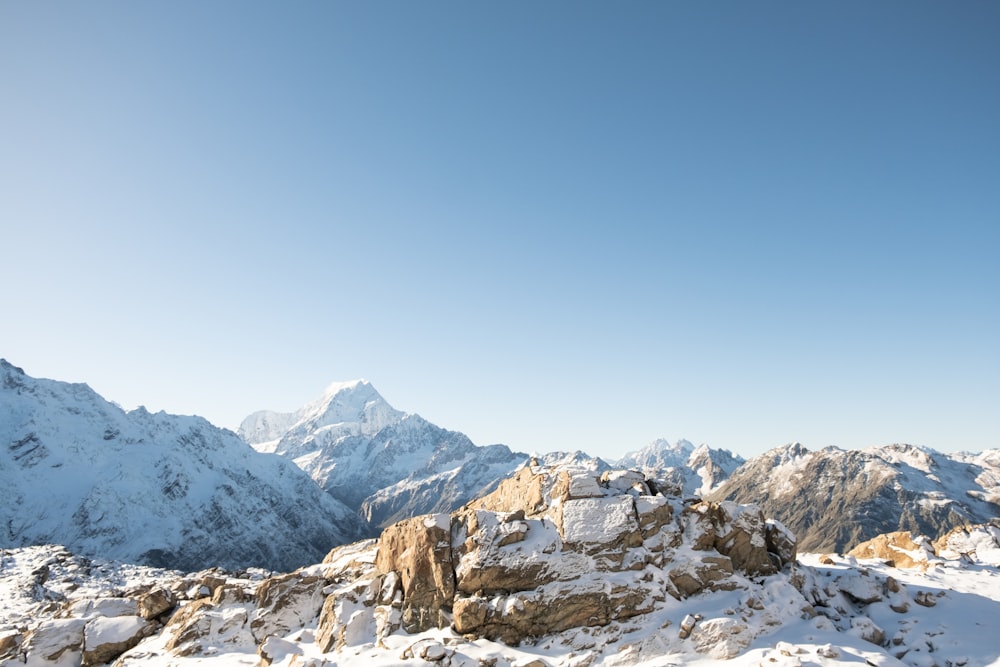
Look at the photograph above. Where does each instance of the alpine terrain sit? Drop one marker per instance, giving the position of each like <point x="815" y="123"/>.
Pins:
<point x="833" y="499"/>
<point x="385" y="464"/>
<point x="557" y="567"/>
<point x="157" y="489"/>
<point x="689" y="470"/>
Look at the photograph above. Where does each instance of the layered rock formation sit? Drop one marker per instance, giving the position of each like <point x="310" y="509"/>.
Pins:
<point x="550" y="550"/>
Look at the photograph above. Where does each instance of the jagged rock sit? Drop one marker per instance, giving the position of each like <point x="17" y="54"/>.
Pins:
<point x="418" y="550"/>
<point x="109" y="607"/>
<point x="526" y="561"/>
<point x="721" y="638"/>
<point x="780" y="543"/>
<point x="10" y="642"/>
<point x="867" y="630"/>
<point x="275" y="649"/>
<point x="979" y="543"/>
<point x="54" y="638"/>
<point x="156" y="603"/>
<point x="343" y="620"/>
<point x="106" y="638"/>
<point x="861" y="588"/>
<point x="898" y="549"/>
<point x="523" y="491"/>
<point x="201" y="622"/>
<point x="482" y="564"/>
<point x="285" y="602"/>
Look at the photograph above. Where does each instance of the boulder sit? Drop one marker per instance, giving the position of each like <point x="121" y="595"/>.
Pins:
<point x="898" y="549"/>
<point x="721" y="638"/>
<point x="106" y="638"/>
<point x="201" y="623"/>
<point x="275" y="649"/>
<point x="285" y="602"/>
<point x="56" y="639"/>
<point x="156" y="603"/>
<point x="418" y="550"/>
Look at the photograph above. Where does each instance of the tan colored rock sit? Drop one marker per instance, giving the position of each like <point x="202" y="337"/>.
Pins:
<point x="347" y="617"/>
<point x="780" y="542"/>
<point x="418" y="550"/>
<point x="200" y="623"/>
<point x="524" y="491"/>
<point x="187" y="625"/>
<point x="106" y="638"/>
<point x="898" y="549"/>
<point x="275" y="649"/>
<point x="156" y="603"/>
<point x="285" y="602"/>
<point x="868" y="630"/>
<point x="721" y="638"/>
<point x="53" y="639"/>
<point x="10" y="642"/>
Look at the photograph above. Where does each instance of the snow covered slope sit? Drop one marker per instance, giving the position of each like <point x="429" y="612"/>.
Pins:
<point x="833" y="499"/>
<point x="158" y="489"/>
<point x="383" y="463"/>
<point x="684" y="467"/>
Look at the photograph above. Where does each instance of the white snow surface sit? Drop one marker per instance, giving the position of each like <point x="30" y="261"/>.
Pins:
<point x="771" y="622"/>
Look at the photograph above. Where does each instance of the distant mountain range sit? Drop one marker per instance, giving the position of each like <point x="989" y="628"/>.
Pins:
<point x="833" y="499"/>
<point x="156" y="489"/>
<point x="385" y="464"/>
<point x="176" y="491"/>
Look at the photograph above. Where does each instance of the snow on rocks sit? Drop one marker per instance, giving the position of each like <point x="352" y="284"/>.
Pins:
<point x="520" y="594"/>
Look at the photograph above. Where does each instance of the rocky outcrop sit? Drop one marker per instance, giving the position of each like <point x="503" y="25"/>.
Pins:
<point x="899" y="549"/>
<point x="533" y="557"/>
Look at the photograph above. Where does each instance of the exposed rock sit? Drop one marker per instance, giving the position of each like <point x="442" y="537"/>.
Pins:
<point x="56" y="637"/>
<point x="156" y="603"/>
<point x="201" y="623"/>
<point x="106" y="638"/>
<point x="721" y="638"/>
<point x="899" y="549"/>
<point x="275" y="649"/>
<point x="868" y="630"/>
<point x="10" y="642"/>
<point x="418" y="550"/>
<point x="285" y="602"/>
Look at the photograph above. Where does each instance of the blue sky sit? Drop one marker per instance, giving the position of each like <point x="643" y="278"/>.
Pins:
<point x="553" y="225"/>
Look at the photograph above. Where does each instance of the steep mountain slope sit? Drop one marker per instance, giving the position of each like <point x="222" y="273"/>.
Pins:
<point x="381" y="462"/>
<point x="158" y="489"/>
<point x="689" y="470"/>
<point x="833" y="499"/>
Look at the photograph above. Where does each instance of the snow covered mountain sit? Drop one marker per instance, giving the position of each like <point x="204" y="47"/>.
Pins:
<point x="383" y="463"/>
<point x="683" y="467"/>
<point x="560" y="568"/>
<point x="833" y="499"/>
<point x="157" y="489"/>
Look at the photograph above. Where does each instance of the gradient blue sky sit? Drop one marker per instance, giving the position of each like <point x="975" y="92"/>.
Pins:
<point x="553" y="225"/>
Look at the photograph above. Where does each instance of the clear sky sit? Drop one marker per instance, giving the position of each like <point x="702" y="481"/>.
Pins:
<point x="553" y="225"/>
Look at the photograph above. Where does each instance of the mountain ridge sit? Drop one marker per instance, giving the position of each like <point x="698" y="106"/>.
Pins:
<point x="151" y="488"/>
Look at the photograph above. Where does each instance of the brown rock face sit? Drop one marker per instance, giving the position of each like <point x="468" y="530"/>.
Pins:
<point x="418" y="550"/>
<point x="898" y="549"/>
<point x="104" y="639"/>
<point x="286" y="602"/>
<point x="155" y="603"/>
<point x="528" y="559"/>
